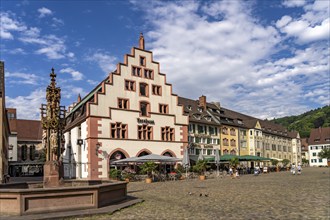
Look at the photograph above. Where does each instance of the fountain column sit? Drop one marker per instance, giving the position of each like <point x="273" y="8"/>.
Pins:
<point x="53" y="123"/>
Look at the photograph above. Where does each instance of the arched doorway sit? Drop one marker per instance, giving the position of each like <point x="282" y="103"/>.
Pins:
<point x="117" y="155"/>
<point x="168" y="154"/>
<point x="143" y="153"/>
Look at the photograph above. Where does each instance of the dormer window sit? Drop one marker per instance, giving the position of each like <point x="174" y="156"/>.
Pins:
<point x="207" y="118"/>
<point x="197" y="116"/>
<point x="200" y="109"/>
<point x="239" y="121"/>
<point x="189" y="107"/>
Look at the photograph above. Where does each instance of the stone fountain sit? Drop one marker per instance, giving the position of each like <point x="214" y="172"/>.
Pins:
<point x="55" y="194"/>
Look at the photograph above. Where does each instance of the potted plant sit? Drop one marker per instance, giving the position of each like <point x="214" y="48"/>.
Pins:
<point x="114" y="174"/>
<point x="180" y="170"/>
<point x="200" y="168"/>
<point x="148" y="168"/>
<point x="285" y="162"/>
<point x="127" y="174"/>
<point x="274" y="163"/>
<point x="234" y="162"/>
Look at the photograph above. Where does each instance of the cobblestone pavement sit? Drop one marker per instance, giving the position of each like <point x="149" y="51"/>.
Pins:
<point x="268" y="196"/>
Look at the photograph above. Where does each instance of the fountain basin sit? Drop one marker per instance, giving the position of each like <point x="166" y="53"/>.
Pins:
<point x="32" y="198"/>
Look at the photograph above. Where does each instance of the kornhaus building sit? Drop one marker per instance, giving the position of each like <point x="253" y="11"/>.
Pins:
<point x="132" y="112"/>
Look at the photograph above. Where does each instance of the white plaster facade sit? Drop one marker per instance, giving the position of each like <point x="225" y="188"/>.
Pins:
<point x="102" y="109"/>
<point x="313" y="151"/>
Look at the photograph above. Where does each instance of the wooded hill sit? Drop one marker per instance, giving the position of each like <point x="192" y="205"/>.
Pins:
<point x="305" y="122"/>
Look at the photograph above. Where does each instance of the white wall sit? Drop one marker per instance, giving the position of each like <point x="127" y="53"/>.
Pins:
<point x="312" y="150"/>
<point x="13" y="153"/>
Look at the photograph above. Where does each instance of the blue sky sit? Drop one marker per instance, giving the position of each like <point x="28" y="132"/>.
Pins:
<point x="264" y="58"/>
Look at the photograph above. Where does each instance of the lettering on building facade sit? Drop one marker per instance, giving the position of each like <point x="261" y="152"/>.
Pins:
<point x="145" y="121"/>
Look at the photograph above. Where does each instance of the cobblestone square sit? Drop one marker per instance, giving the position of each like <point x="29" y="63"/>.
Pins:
<point x="268" y="196"/>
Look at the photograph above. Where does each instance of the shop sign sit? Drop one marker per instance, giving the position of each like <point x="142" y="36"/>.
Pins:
<point x="145" y="121"/>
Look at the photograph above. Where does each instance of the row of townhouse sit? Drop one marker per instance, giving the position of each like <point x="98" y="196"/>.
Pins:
<point x="214" y="127"/>
<point x="134" y="112"/>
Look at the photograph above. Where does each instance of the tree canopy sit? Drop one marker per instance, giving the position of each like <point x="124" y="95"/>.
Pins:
<point x="325" y="153"/>
<point x="305" y="122"/>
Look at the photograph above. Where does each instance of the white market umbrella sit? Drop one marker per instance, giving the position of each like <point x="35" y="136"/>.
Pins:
<point x="185" y="160"/>
<point x="200" y="156"/>
<point x="217" y="160"/>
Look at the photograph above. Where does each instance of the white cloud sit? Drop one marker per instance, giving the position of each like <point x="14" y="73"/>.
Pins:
<point x="92" y="82"/>
<point x="28" y="107"/>
<point x="8" y="24"/>
<point x="21" y="78"/>
<point x="16" y="51"/>
<point x="105" y="61"/>
<point x="313" y="25"/>
<point x="70" y="91"/>
<point x="294" y="3"/>
<point x="76" y="75"/>
<point x="51" y="46"/>
<point x="44" y="12"/>
<point x="218" y="49"/>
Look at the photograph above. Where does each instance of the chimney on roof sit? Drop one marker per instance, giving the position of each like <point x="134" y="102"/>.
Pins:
<point x="141" y="41"/>
<point x="202" y="101"/>
<point x="79" y="98"/>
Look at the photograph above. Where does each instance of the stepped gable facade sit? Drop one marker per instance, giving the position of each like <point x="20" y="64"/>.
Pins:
<point x="131" y="113"/>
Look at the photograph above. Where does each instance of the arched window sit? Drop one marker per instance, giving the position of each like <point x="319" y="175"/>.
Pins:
<point x="168" y="154"/>
<point x="24" y="152"/>
<point x="225" y="142"/>
<point x="143" y="153"/>
<point x="32" y="152"/>
<point x="225" y="152"/>
<point x="118" y="155"/>
<point x="233" y="152"/>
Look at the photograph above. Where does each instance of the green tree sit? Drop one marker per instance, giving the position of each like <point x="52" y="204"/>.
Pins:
<point x="285" y="162"/>
<point x="305" y="161"/>
<point x="234" y="162"/>
<point x="200" y="167"/>
<point x="148" y="168"/>
<point x="325" y="153"/>
<point x="274" y="162"/>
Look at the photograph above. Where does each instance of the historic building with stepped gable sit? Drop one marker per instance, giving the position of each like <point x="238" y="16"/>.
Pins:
<point x="131" y="113"/>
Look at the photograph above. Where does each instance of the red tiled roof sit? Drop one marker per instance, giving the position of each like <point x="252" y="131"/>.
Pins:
<point x="319" y="136"/>
<point x="29" y="130"/>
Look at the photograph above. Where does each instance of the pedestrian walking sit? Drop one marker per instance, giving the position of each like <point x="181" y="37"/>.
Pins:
<point x="293" y="169"/>
<point x="299" y="169"/>
<point x="231" y="171"/>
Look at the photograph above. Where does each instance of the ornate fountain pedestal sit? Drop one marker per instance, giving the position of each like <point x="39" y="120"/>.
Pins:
<point x="52" y="174"/>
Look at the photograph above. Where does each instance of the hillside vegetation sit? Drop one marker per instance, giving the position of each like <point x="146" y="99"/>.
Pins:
<point x="305" y="122"/>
